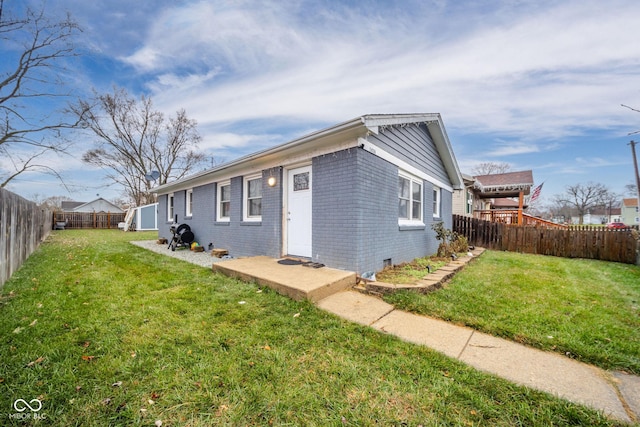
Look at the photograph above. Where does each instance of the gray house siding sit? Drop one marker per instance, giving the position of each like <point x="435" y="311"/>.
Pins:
<point x="204" y="201"/>
<point x="241" y="238"/>
<point x="335" y="209"/>
<point x="414" y="145"/>
<point x="355" y="213"/>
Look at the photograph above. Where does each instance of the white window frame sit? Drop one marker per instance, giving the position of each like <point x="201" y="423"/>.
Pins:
<point x="170" y="207"/>
<point x="219" y="201"/>
<point x="189" y="203"/>
<point x="437" y="202"/>
<point x="413" y="180"/>
<point x="245" y="198"/>
<point x="437" y="205"/>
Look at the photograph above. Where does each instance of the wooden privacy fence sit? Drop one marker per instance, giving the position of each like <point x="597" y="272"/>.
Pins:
<point x="601" y="243"/>
<point x="89" y="219"/>
<point x="23" y="226"/>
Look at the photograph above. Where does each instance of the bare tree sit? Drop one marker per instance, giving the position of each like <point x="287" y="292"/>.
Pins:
<point x="491" y="168"/>
<point x="609" y="201"/>
<point x="135" y="140"/>
<point x="50" y="202"/>
<point x="583" y="197"/>
<point x="560" y="210"/>
<point x="34" y="50"/>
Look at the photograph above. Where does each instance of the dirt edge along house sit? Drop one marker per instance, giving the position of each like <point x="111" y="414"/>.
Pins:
<point x="356" y="196"/>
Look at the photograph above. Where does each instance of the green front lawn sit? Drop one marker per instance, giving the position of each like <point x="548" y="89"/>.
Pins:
<point x="105" y="333"/>
<point x="589" y="310"/>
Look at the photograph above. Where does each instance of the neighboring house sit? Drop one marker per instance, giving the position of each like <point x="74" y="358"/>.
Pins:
<point x="629" y="213"/>
<point x="97" y="205"/>
<point x="357" y="196"/>
<point x="484" y="194"/>
<point x="465" y="199"/>
<point x="600" y="215"/>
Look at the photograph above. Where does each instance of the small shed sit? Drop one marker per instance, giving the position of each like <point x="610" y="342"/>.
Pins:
<point x="145" y="217"/>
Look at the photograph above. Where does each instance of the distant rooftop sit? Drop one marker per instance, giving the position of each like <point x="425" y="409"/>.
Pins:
<point x="504" y="184"/>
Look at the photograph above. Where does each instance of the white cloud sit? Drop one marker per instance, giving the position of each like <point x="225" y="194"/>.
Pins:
<point x="532" y="73"/>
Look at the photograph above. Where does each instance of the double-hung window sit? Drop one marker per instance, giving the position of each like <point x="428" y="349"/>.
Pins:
<point x="436" y="202"/>
<point x="170" y="207"/>
<point x="223" y="201"/>
<point x="189" y="203"/>
<point x="253" y="198"/>
<point x="409" y="199"/>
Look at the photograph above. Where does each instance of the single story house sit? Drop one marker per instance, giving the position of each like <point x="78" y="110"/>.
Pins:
<point x="599" y="215"/>
<point x="97" y="205"/>
<point x="358" y="196"/>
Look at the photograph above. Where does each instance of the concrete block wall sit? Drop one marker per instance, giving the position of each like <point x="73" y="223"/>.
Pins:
<point x="335" y="209"/>
<point x="355" y="213"/>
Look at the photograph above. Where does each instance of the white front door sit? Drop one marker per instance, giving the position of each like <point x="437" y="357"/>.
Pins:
<point x="299" y="212"/>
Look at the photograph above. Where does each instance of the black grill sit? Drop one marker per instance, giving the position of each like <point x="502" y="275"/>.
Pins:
<point x="182" y="236"/>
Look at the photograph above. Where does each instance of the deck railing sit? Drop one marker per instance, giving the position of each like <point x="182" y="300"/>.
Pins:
<point x="510" y="216"/>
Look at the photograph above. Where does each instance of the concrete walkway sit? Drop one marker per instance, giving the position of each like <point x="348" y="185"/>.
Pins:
<point x="615" y="394"/>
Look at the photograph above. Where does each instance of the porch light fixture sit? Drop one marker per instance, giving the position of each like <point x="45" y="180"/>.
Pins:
<point x="271" y="181"/>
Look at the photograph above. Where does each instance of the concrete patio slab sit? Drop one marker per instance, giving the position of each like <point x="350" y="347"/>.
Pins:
<point x="295" y="281"/>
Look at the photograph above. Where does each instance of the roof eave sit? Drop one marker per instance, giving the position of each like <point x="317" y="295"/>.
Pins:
<point x="355" y="126"/>
<point x="441" y="140"/>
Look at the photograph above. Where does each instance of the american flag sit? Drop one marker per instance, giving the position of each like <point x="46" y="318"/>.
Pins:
<point x="535" y="193"/>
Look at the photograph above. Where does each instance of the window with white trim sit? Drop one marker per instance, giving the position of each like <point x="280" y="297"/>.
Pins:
<point x="189" y="203"/>
<point x="170" y="207"/>
<point x="252" y="198"/>
<point x="223" y="201"/>
<point x="436" y="202"/>
<point x="409" y="199"/>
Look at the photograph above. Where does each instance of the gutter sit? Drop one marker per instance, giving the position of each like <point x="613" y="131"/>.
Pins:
<point x="315" y="136"/>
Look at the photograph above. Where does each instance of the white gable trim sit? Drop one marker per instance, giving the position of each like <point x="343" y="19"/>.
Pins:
<point x="377" y="151"/>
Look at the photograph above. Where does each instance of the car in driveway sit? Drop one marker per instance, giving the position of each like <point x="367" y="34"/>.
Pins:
<point x="617" y="226"/>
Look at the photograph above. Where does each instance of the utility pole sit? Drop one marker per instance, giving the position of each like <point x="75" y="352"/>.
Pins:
<point x="635" y="165"/>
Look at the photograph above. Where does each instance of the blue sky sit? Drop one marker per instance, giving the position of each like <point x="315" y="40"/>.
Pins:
<point x="537" y="84"/>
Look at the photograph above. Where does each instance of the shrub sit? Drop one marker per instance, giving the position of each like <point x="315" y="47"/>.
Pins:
<point x="450" y="241"/>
